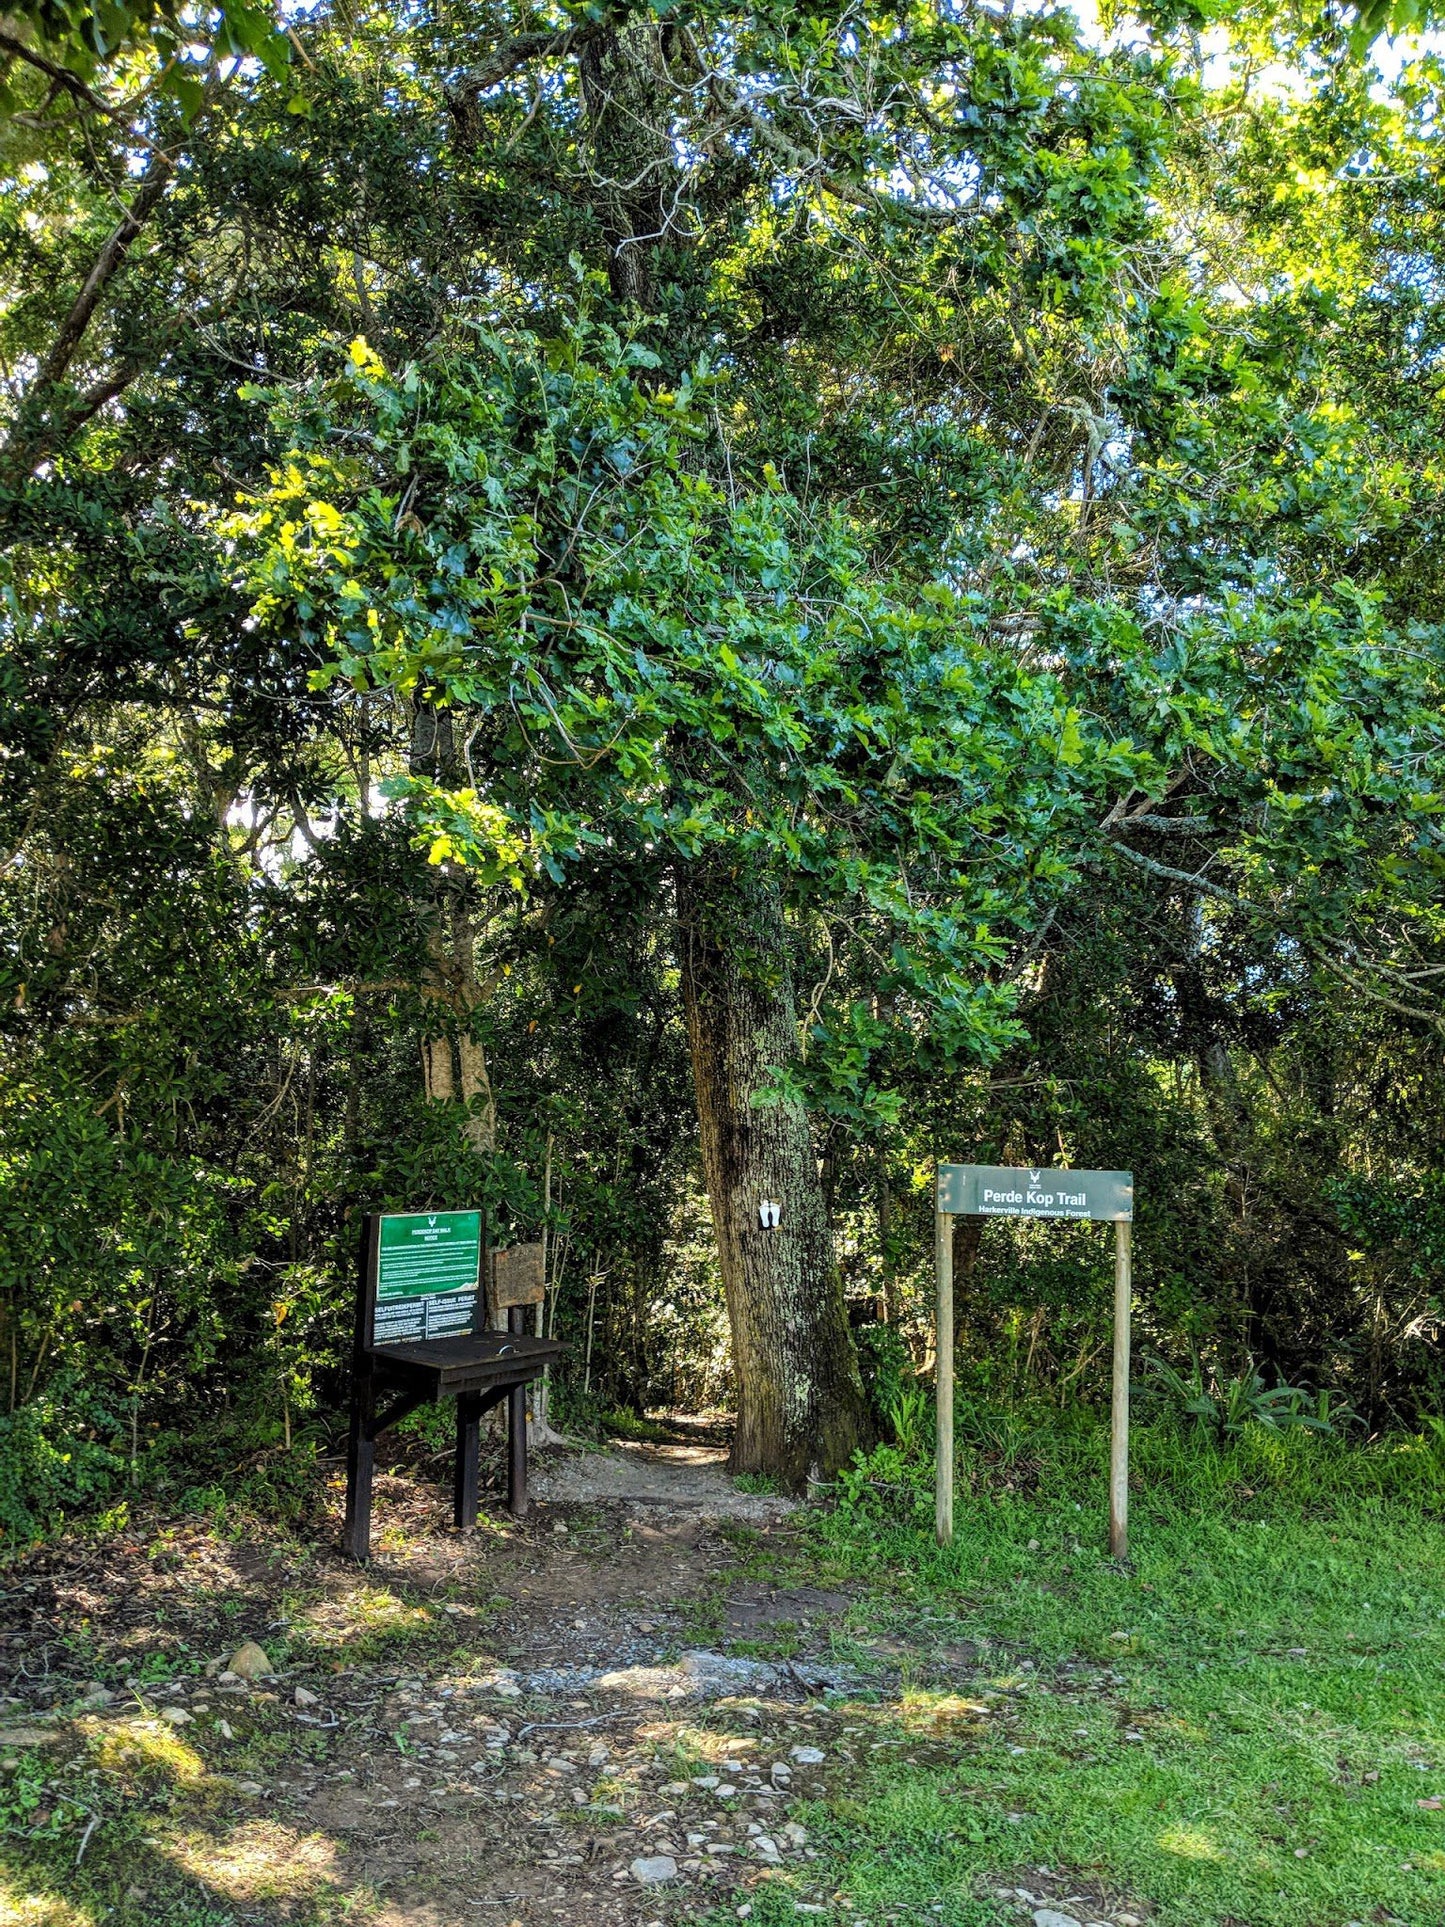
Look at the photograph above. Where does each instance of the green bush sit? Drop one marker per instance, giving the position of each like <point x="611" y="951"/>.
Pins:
<point x="884" y="1362"/>
<point x="48" y="1468"/>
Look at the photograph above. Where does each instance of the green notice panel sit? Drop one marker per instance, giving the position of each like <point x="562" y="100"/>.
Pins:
<point x="427" y="1269"/>
<point x="1021" y="1191"/>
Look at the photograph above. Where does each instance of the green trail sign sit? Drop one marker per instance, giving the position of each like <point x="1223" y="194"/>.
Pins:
<point x="1021" y="1191"/>
<point x="427" y="1268"/>
<point x="1007" y="1191"/>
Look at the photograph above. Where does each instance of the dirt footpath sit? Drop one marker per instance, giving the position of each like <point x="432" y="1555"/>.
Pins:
<point x="533" y="1722"/>
<point x="688" y="1478"/>
<point x="627" y="1709"/>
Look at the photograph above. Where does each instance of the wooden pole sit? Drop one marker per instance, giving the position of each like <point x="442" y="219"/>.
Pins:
<point x="1119" y="1428"/>
<point x="517" y="1433"/>
<point x="943" y="1381"/>
<point x="360" y="1463"/>
<point x="466" y="1478"/>
<point x="361" y="1437"/>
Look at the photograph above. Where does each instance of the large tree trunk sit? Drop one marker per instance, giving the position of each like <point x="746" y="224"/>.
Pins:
<point x="801" y="1408"/>
<point x="629" y="152"/>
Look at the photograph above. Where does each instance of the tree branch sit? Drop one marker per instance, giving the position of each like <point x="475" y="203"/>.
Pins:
<point x="519" y="51"/>
<point x="1316" y="948"/>
<point x="810" y="167"/>
<point x="106" y="266"/>
<point x="73" y="85"/>
<point x="1195" y="881"/>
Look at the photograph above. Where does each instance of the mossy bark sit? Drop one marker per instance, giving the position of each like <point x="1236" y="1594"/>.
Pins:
<point x="801" y="1407"/>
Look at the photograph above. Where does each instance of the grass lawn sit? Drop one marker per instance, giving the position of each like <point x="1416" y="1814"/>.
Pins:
<point x="1247" y="1727"/>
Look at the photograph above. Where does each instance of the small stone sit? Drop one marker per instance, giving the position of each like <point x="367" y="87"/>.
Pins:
<point x="650" y="1870"/>
<point x="560" y="1526"/>
<point x="1051" y="1917"/>
<point x="809" y="1755"/>
<point x="305" y="1697"/>
<point x="795" y="1835"/>
<point x="250" y="1661"/>
<point x="249" y="1786"/>
<point x="177" y="1715"/>
<point x="766" y="1848"/>
<point x="223" y="1727"/>
<point x="212" y="1667"/>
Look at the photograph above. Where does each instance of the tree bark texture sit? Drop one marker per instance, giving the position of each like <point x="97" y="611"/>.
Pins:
<point x="626" y="95"/>
<point x="454" y="1062"/>
<point x="801" y="1407"/>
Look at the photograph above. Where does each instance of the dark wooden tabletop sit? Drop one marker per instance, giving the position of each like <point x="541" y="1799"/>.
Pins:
<point x="485" y="1358"/>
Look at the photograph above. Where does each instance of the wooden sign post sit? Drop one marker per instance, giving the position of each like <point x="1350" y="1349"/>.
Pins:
<point x="421" y="1334"/>
<point x="1001" y="1191"/>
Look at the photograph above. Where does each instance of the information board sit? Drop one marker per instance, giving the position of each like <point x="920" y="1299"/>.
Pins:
<point x="518" y="1277"/>
<point x="1008" y="1191"/>
<point x="428" y="1264"/>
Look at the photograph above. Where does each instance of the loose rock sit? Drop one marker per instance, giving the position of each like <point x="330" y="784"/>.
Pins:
<point x="651" y="1870"/>
<point x="251" y="1662"/>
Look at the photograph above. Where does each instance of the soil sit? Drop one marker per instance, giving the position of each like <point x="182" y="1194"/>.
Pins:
<point x="517" y="1726"/>
<point x="682" y="1477"/>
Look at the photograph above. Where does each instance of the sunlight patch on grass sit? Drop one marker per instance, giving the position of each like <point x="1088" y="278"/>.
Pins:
<point x="697" y="1746"/>
<point x="142" y="1747"/>
<point x="1188" y="1843"/>
<point x="925" y="1712"/>
<point x="261" y="1861"/>
<point x="366" y="1616"/>
<point x="22" y="1908"/>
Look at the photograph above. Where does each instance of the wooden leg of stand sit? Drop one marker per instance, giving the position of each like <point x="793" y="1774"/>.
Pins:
<point x="360" y="1466"/>
<point x="517" y="1451"/>
<point x="517" y="1431"/>
<point x="464" y="1484"/>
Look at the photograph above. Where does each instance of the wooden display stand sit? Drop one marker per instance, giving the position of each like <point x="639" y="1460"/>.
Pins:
<point x="421" y="1336"/>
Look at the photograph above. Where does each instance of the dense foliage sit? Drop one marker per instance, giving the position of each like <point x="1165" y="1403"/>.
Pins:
<point x="965" y="488"/>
